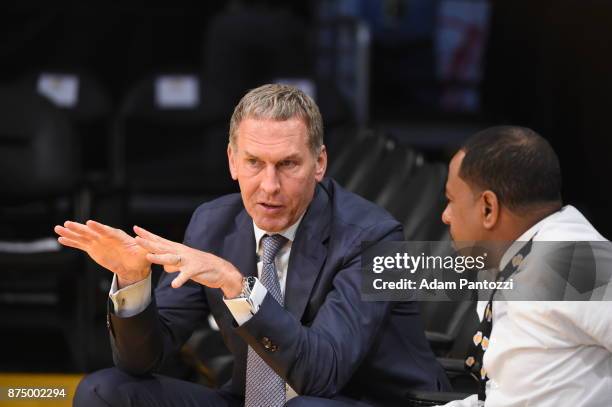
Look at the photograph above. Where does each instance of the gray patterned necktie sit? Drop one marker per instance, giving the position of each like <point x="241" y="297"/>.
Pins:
<point x="264" y="388"/>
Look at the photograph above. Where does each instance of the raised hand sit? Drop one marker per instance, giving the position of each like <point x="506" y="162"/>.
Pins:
<point x="192" y="264"/>
<point x="111" y="248"/>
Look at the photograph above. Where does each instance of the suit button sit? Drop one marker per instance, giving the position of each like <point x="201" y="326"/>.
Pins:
<point x="273" y="348"/>
<point x="266" y="342"/>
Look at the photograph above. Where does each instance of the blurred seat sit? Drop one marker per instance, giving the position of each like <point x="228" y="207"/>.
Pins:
<point x="453" y="359"/>
<point x="352" y="151"/>
<point x="162" y="138"/>
<point x="42" y="285"/>
<point x="416" y="199"/>
<point x="466" y="320"/>
<point x="169" y="150"/>
<point x="396" y="178"/>
<point x="421" y="398"/>
<point x="343" y="58"/>
<point x="444" y="322"/>
<point x="249" y="46"/>
<point x="206" y="352"/>
<point x="394" y="160"/>
<point x="87" y="103"/>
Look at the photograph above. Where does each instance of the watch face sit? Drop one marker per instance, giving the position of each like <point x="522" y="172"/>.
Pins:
<point x="247" y="286"/>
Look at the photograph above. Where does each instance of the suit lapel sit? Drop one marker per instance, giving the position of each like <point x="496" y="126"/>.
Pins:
<point x="240" y="246"/>
<point x="308" y="253"/>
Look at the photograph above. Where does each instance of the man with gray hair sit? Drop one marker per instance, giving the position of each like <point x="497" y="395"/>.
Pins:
<point x="278" y="267"/>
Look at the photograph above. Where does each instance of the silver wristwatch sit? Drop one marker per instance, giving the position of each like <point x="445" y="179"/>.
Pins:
<point x="248" y="283"/>
<point x="247" y="286"/>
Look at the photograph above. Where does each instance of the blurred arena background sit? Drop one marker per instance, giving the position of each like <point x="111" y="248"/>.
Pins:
<point x="119" y="111"/>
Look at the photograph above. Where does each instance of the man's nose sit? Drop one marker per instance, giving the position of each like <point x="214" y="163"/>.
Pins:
<point x="270" y="183"/>
<point x="445" y="216"/>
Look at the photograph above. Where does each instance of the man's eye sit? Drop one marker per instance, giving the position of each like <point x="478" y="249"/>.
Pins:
<point x="288" y="164"/>
<point x="252" y="161"/>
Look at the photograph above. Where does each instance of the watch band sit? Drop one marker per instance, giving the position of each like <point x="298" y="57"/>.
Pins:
<point x="247" y="303"/>
<point x="248" y="283"/>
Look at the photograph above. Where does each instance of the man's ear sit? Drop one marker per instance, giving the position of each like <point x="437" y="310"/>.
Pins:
<point x="232" y="160"/>
<point x="321" y="164"/>
<point x="490" y="209"/>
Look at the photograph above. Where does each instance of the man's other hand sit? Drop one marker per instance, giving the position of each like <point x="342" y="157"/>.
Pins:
<point x="111" y="248"/>
<point x="201" y="267"/>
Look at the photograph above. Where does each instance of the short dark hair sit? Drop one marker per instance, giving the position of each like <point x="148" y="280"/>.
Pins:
<point x="516" y="163"/>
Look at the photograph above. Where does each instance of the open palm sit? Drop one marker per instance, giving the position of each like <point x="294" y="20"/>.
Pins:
<point x="111" y="248"/>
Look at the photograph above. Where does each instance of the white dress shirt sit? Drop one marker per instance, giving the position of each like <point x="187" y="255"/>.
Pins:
<point x="239" y="307"/>
<point x="545" y="353"/>
<point x="135" y="298"/>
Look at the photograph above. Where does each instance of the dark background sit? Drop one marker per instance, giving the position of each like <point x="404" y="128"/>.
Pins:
<point x="547" y="65"/>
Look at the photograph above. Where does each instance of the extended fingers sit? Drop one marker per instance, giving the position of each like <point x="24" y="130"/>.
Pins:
<point x="181" y="279"/>
<point x="151" y="246"/>
<point x="69" y="234"/>
<point x="145" y="234"/>
<point x="106" y="231"/>
<point x="71" y="243"/>
<point x="81" y="230"/>
<point x="166" y="259"/>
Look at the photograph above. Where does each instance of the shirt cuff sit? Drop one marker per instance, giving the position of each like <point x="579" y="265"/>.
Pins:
<point x="243" y="309"/>
<point x="131" y="300"/>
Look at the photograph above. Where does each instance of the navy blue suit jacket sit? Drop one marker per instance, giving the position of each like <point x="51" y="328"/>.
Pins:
<point x="325" y="341"/>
